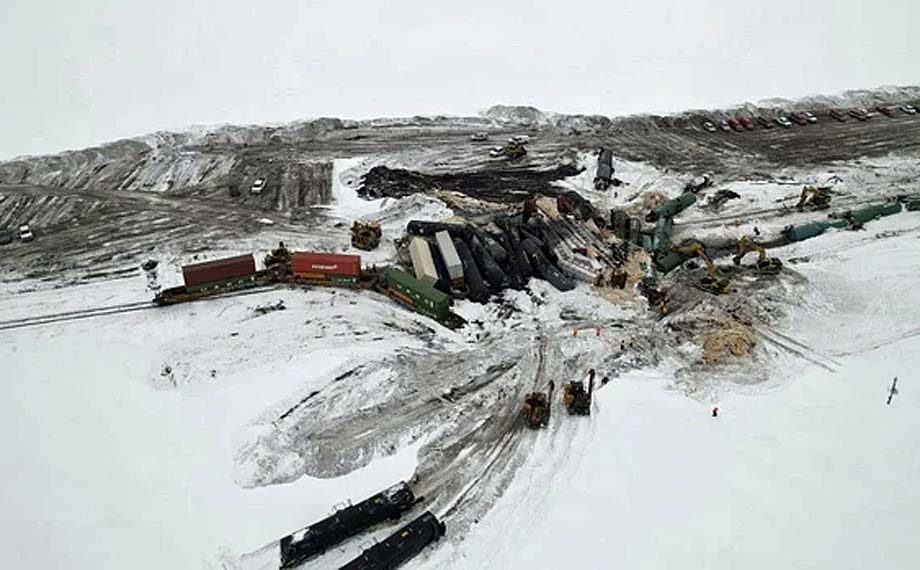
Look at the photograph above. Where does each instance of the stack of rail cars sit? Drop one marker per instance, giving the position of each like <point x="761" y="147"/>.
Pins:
<point x="331" y="269"/>
<point x="390" y="504"/>
<point x="400" y="546"/>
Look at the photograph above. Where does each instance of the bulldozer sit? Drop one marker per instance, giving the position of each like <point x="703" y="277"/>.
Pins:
<point x="536" y="408"/>
<point x="814" y="198"/>
<point x="578" y="400"/>
<point x="765" y="264"/>
<point x="714" y="282"/>
<point x="366" y="235"/>
<point x="278" y="261"/>
<point x="514" y="150"/>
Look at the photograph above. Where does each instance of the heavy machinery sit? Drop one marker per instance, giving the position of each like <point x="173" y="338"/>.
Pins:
<point x="578" y="400"/>
<point x="366" y="235"/>
<point x="536" y="408"/>
<point x="765" y="264"/>
<point x="714" y="282"/>
<point x="513" y="150"/>
<point x="278" y="261"/>
<point x="814" y="198"/>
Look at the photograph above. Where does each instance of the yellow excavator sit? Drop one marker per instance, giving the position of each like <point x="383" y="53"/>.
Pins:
<point x="814" y="198"/>
<point x="714" y="282"/>
<point x="765" y="264"/>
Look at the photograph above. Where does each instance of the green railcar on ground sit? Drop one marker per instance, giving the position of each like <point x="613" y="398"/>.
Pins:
<point x="424" y="298"/>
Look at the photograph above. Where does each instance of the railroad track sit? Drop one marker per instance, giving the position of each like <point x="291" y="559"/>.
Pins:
<point x="75" y="315"/>
<point x="106" y="311"/>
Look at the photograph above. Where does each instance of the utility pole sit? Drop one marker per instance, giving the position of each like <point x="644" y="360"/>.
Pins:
<point x="893" y="390"/>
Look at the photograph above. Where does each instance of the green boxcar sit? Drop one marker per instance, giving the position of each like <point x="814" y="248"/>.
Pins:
<point x="428" y="300"/>
<point x="673" y="207"/>
<point x="669" y="261"/>
<point x="872" y="212"/>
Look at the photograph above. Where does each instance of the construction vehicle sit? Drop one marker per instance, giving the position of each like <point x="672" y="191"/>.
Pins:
<point x="366" y="235"/>
<point x="536" y="408"/>
<point x="278" y="261"/>
<point x="814" y="198"/>
<point x="714" y="282"/>
<point x="512" y="151"/>
<point x="765" y="264"/>
<point x="578" y="400"/>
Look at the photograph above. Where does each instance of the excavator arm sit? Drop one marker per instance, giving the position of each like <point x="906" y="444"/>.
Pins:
<point x="715" y="283"/>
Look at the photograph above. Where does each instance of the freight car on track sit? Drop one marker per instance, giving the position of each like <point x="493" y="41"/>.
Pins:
<point x="400" y="546"/>
<point x="390" y="504"/>
<point x="212" y="277"/>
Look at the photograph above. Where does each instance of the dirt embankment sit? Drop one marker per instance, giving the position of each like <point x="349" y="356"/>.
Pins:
<point x="501" y="185"/>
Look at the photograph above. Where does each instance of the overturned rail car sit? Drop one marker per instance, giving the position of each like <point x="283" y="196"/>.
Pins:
<point x="400" y="546"/>
<point x="298" y="547"/>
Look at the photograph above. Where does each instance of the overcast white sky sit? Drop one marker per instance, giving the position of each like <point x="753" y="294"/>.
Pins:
<point x="77" y="73"/>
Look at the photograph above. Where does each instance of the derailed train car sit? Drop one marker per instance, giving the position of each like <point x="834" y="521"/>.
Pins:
<point x="390" y="504"/>
<point x="401" y="546"/>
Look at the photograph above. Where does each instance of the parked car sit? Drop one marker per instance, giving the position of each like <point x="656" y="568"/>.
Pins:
<point x="798" y="118"/>
<point x="887" y="111"/>
<point x="479" y="137"/>
<point x="746" y="123"/>
<point x="496" y="151"/>
<point x="25" y="233"/>
<point x="858" y="114"/>
<point x="709" y="127"/>
<point x="723" y="124"/>
<point x="519" y="139"/>
<point x="257" y="186"/>
<point x="909" y="109"/>
<point x="735" y="125"/>
<point x="765" y="122"/>
<point x="783" y="122"/>
<point x="6" y="236"/>
<point x="810" y="117"/>
<point x="838" y="115"/>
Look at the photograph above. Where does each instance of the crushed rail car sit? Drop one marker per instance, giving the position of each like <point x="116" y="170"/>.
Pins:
<point x="401" y="546"/>
<point x="390" y="504"/>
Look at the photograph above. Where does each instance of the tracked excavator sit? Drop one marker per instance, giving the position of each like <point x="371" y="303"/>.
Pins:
<point x="765" y="264"/>
<point x="366" y="235"/>
<point x="712" y="283"/>
<point x="578" y="400"/>
<point x="814" y="198"/>
<point x="536" y="408"/>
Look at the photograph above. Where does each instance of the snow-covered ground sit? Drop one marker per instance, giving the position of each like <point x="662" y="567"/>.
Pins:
<point x="134" y="440"/>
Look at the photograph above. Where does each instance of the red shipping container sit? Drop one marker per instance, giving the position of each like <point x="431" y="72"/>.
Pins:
<point x="218" y="270"/>
<point x="308" y="264"/>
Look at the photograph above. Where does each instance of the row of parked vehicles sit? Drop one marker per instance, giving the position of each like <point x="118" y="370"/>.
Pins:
<point x="743" y="123"/>
<point x="24" y="234"/>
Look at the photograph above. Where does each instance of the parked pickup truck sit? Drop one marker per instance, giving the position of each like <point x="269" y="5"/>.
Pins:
<point x="25" y="233"/>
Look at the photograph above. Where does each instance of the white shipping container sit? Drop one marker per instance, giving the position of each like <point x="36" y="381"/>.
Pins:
<point x="422" y="262"/>
<point x="449" y="253"/>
